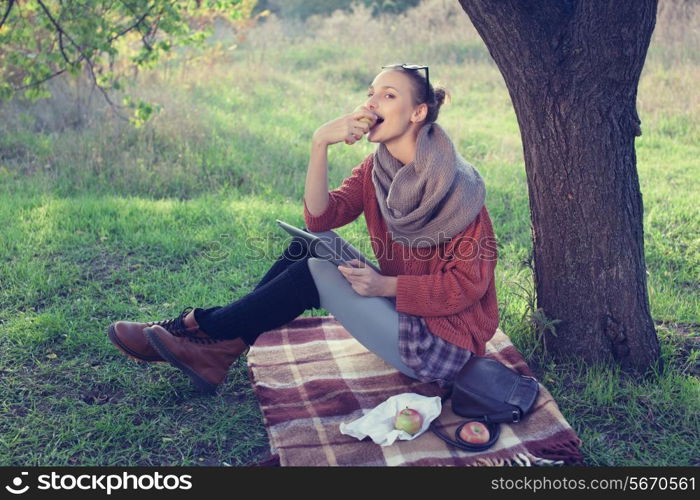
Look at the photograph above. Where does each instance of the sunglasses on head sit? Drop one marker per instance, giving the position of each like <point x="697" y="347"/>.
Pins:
<point x="415" y="67"/>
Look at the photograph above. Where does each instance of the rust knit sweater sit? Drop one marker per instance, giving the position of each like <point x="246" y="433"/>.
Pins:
<point x="451" y="285"/>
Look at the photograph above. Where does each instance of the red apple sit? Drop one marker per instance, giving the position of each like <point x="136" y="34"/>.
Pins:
<point x="408" y="420"/>
<point x="474" y="432"/>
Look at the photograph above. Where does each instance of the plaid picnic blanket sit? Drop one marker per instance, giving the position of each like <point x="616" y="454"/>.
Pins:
<point x="311" y="374"/>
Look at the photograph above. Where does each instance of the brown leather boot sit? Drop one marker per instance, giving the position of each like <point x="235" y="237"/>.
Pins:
<point x="129" y="337"/>
<point x="204" y="359"/>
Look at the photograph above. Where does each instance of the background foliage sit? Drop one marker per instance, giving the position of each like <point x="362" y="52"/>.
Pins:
<point x="42" y="39"/>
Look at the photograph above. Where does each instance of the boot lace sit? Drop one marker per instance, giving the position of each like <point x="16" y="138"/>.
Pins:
<point x="176" y="326"/>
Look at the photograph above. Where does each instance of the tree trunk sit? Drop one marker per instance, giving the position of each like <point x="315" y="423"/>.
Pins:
<point x="572" y="69"/>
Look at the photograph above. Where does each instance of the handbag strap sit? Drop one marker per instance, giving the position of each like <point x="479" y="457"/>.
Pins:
<point x="463" y="444"/>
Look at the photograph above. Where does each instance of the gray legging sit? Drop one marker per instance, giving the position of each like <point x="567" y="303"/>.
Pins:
<point x="373" y="321"/>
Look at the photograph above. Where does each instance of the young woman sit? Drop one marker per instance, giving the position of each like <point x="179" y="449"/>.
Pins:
<point x="434" y="302"/>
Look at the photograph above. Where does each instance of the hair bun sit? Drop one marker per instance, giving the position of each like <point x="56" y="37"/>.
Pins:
<point x="441" y="95"/>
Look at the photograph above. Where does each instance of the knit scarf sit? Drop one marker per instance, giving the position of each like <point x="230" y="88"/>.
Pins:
<point x="432" y="198"/>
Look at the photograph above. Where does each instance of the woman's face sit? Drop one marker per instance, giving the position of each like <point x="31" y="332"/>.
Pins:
<point x="390" y="97"/>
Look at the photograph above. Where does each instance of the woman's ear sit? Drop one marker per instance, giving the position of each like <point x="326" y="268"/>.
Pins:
<point x="420" y="113"/>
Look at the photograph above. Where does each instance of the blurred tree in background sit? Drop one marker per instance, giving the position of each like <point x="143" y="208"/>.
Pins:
<point x="105" y="40"/>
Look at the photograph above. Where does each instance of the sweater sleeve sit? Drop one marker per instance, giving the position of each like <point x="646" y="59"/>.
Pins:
<point x="345" y="203"/>
<point x="459" y="284"/>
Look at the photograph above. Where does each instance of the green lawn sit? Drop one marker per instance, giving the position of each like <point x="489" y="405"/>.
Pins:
<point x="105" y="222"/>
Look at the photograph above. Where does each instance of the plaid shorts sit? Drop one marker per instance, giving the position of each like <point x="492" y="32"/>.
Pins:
<point x="431" y="358"/>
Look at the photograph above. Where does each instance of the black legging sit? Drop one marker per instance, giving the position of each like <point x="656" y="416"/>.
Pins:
<point x="284" y="293"/>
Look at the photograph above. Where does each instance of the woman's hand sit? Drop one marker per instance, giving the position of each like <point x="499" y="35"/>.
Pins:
<point x="350" y="127"/>
<point x="367" y="282"/>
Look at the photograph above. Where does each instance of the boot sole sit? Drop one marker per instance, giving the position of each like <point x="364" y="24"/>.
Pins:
<point x="112" y="334"/>
<point x="201" y="384"/>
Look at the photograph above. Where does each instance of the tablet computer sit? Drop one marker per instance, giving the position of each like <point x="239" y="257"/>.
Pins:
<point x="326" y="247"/>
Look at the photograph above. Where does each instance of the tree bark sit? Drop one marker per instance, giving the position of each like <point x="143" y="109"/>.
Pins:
<point x="572" y="69"/>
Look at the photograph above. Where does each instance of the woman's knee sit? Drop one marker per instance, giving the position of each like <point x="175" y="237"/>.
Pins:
<point x="297" y="249"/>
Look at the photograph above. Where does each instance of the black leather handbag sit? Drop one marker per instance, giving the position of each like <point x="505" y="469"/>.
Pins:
<point x="487" y="391"/>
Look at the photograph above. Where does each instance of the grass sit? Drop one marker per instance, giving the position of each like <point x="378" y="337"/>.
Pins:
<point x="103" y="222"/>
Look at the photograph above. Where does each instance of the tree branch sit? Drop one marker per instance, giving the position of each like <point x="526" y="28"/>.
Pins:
<point x="63" y="50"/>
<point x="113" y="106"/>
<point x="34" y="84"/>
<point x="133" y="26"/>
<point x="87" y="53"/>
<point x="61" y="32"/>
<point x="10" y="3"/>
<point x="83" y="56"/>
